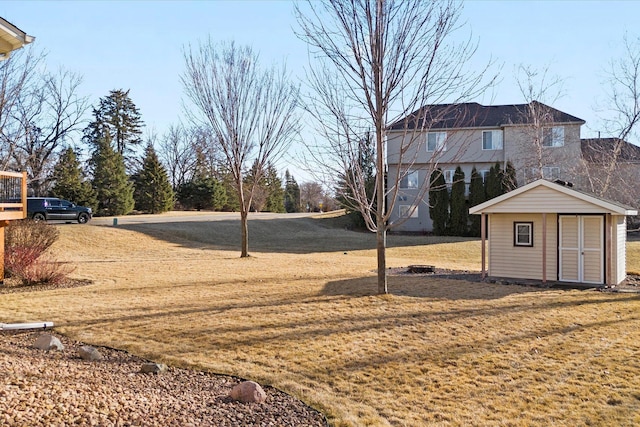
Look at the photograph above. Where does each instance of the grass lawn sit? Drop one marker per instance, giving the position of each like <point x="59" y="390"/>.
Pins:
<point x="301" y="315"/>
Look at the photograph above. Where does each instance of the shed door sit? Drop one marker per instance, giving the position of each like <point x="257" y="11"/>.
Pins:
<point x="581" y="249"/>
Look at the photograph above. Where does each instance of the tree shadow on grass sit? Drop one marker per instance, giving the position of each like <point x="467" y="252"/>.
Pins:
<point x="282" y="235"/>
<point x="431" y="286"/>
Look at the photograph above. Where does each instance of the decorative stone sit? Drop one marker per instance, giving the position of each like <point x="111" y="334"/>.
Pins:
<point x="153" y="368"/>
<point x="89" y="353"/>
<point x="48" y="342"/>
<point x="248" y="392"/>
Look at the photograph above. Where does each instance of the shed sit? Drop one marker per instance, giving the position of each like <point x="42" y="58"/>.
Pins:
<point x="549" y="231"/>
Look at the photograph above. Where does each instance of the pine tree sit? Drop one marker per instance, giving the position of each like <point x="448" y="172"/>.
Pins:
<point x="202" y="193"/>
<point x="291" y="194"/>
<point x="366" y="172"/>
<point x="70" y="182"/>
<point x="509" y="181"/>
<point x="275" y="193"/>
<point x="493" y="183"/>
<point x="459" y="212"/>
<point x="153" y="191"/>
<point x="438" y="202"/>
<point x="118" y="116"/>
<point x="476" y="196"/>
<point x="113" y="189"/>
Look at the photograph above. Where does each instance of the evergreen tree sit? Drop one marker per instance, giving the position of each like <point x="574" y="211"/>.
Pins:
<point x="459" y="212"/>
<point x="291" y="194"/>
<point x="476" y="196"/>
<point x="113" y="189"/>
<point x="366" y="172"/>
<point x="275" y="193"/>
<point x="493" y="183"/>
<point x="118" y="116"/>
<point x="509" y="181"/>
<point x="438" y="202"/>
<point x="153" y="191"/>
<point x="70" y="182"/>
<point x="202" y="193"/>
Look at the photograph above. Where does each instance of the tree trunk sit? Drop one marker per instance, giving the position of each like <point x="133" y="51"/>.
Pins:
<point x="244" y="224"/>
<point x="381" y="246"/>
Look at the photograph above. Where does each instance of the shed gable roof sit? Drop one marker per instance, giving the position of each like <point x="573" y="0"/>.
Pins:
<point x="543" y="196"/>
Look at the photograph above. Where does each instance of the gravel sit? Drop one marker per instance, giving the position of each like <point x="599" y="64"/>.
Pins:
<point x="58" y="388"/>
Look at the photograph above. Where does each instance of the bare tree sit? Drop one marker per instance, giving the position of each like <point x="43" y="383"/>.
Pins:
<point x="250" y="112"/>
<point x="183" y="150"/>
<point x="48" y="114"/>
<point x="376" y="62"/>
<point x="312" y="196"/>
<point x="16" y="74"/>
<point x="623" y="117"/>
<point x="537" y="148"/>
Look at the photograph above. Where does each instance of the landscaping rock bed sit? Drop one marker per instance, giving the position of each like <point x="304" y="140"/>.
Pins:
<point x="57" y="387"/>
<point x="631" y="285"/>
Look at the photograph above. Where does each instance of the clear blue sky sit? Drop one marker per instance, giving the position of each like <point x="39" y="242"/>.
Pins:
<point x="138" y="45"/>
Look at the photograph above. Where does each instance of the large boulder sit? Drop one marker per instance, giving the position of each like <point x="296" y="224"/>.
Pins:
<point x="248" y="392"/>
<point x="48" y="342"/>
<point x="89" y="353"/>
<point x="153" y="368"/>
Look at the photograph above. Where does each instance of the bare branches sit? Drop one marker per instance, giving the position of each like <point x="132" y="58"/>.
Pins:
<point x="250" y="112"/>
<point x="375" y="62"/>
<point x="49" y="112"/>
<point x="16" y="75"/>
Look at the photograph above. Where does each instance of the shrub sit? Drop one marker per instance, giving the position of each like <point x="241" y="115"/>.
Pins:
<point x="30" y="234"/>
<point x="31" y="269"/>
<point x="25" y="243"/>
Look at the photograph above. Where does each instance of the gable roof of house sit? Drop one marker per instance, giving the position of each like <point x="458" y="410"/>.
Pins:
<point x="597" y="150"/>
<point x="11" y="38"/>
<point x="575" y="201"/>
<point x="472" y="114"/>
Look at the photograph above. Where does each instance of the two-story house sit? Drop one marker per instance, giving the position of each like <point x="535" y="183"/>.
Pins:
<point x="540" y="142"/>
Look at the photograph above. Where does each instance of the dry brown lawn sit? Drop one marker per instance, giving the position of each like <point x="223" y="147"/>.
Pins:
<point x="301" y="315"/>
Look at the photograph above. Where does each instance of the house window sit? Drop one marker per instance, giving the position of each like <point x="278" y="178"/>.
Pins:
<point x="551" y="172"/>
<point x="436" y="141"/>
<point x="523" y="234"/>
<point x="553" y="137"/>
<point x="492" y="140"/>
<point x="448" y="176"/>
<point x="406" y="211"/>
<point x="409" y="180"/>
<point x="484" y="174"/>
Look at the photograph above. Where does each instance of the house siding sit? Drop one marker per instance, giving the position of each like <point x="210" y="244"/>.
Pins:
<point x="506" y="260"/>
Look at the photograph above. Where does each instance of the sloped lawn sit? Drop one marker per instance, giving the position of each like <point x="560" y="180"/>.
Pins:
<point x="305" y="319"/>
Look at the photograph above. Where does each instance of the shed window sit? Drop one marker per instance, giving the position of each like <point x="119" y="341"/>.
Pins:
<point x="523" y="233"/>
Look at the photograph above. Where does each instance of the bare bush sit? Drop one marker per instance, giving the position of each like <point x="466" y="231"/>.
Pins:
<point x="29" y="233"/>
<point x="41" y="271"/>
<point x="25" y="243"/>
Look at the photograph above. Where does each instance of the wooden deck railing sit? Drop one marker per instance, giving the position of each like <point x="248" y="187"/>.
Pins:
<point x="13" y="196"/>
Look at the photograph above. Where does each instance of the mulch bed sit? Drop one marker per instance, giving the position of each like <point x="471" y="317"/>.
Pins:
<point x="631" y="285"/>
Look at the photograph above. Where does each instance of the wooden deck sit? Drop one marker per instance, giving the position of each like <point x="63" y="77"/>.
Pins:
<point x="13" y="196"/>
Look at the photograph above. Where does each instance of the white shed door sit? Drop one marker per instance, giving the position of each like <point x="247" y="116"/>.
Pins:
<point x="581" y="249"/>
